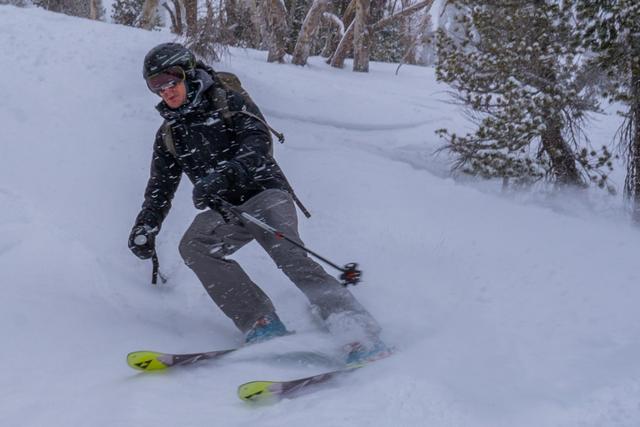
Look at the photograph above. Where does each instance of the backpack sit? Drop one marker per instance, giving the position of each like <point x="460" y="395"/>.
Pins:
<point x="229" y="81"/>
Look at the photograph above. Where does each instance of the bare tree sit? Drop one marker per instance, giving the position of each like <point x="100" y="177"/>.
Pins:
<point x="420" y="37"/>
<point x="275" y="27"/>
<point x="240" y="23"/>
<point x="232" y="20"/>
<point x="94" y="9"/>
<point x="205" y="42"/>
<point x="175" y="15"/>
<point x="230" y="9"/>
<point x="361" y="36"/>
<point x="402" y="14"/>
<point x="191" y="15"/>
<point x="347" y="42"/>
<point x="148" y="17"/>
<point x="408" y="36"/>
<point x="336" y="32"/>
<point x="258" y="21"/>
<point x="308" y="31"/>
<point x="344" y="48"/>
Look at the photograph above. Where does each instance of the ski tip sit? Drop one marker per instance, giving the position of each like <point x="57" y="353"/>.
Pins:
<point x="145" y="361"/>
<point x="256" y="391"/>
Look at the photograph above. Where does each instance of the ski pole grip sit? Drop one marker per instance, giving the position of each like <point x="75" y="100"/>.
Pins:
<point x="140" y="240"/>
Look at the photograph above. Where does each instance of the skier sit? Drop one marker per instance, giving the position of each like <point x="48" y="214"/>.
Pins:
<point x="233" y="163"/>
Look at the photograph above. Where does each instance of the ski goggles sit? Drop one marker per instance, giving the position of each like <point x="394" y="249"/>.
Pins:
<point x="165" y="79"/>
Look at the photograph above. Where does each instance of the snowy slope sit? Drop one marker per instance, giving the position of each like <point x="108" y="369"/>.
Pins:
<point x="504" y="312"/>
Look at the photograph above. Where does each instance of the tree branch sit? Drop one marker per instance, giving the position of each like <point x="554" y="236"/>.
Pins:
<point x="403" y="13"/>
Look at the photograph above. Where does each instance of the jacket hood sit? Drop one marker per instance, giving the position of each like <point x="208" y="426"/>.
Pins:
<point x="196" y="87"/>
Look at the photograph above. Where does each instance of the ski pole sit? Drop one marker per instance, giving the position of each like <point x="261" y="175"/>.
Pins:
<point x="351" y="275"/>
<point x="156" y="270"/>
<point x="142" y="240"/>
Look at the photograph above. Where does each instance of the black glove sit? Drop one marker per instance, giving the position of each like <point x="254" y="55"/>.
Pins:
<point x="142" y="240"/>
<point x="207" y="188"/>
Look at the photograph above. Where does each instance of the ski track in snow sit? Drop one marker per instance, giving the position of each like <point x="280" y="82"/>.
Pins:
<point x="360" y="127"/>
<point x="505" y="311"/>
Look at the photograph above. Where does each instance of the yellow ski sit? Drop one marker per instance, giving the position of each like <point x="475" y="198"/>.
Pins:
<point x="268" y="391"/>
<point x="156" y="361"/>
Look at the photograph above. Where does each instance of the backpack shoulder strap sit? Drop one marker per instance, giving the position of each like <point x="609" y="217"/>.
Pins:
<point x="167" y="138"/>
<point x="229" y="81"/>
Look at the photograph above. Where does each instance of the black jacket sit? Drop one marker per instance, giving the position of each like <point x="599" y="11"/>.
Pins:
<point x="203" y="144"/>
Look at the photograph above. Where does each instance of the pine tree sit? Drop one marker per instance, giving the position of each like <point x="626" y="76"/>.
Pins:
<point x="611" y="28"/>
<point x="512" y="64"/>
<point x="126" y="12"/>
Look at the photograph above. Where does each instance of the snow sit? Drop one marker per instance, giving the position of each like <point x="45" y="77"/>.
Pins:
<point x="505" y="311"/>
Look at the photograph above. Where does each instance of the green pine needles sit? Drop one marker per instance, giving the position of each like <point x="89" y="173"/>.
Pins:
<point x="516" y="68"/>
<point x="611" y="29"/>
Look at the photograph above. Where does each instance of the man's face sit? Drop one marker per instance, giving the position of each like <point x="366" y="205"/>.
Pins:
<point x="174" y="96"/>
<point x="170" y="85"/>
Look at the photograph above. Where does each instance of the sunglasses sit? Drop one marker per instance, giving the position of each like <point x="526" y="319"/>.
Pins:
<point x="165" y="79"/>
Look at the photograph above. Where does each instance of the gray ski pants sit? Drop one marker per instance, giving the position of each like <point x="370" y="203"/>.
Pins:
<point x="209" y="240"/>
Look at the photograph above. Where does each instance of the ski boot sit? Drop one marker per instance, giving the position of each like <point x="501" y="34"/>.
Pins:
<point x="362" y="352"/>
<point x="265" y="328"/>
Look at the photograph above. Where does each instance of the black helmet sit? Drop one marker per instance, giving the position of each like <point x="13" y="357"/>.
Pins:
<point x="168" y="55"/>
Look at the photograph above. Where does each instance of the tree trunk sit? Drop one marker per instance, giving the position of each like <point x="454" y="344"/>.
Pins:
<point x="361" y="36"/>
<point x="259" y="21"/>
<point x="402" y="14"/>
<point x="250" y="15"/>
<point x="93" y="9"/>
<point x="231" y="11"/>
<point x="191" y="12"/>
<point x="231" y="15"/>
<point x="345" y="45"/>
<point x="308" y="31"/>
<point x="349" y="12"/>
<point x="178" y="10"/>
<point x="149" y="14"/>
<point x="174" y="22"/>
<point x="343" y="49"/>
<point x="635" y="135"/>
<point x="336" y="32"/>
<point x="276" y="17"/>
<point x="231" y="23"/>
<point x="563" y="161"/>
